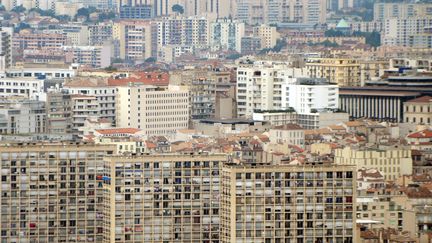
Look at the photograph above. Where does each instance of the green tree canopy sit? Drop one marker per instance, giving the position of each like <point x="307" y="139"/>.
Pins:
<point x="177" y="8"/>
<point x="19" y="9"/>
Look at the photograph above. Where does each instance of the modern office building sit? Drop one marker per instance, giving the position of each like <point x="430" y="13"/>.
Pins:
<point x="378" y="103"/>
<point x="158" y="111"/>
<point x="308" y="203"/>
<point x="52" y="192"/>
<point x="162" y="198"/>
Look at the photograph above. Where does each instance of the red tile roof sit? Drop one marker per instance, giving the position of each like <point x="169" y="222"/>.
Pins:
<point x="111" y="131"/>
<point x="423" y="99"/>
<point x="422" y="134"/>
<point x="147" y="78"/>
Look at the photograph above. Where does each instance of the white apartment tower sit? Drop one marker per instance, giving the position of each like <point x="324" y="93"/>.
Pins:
<point x="259" y="85"/>
<point x="156" y="110"/>
<point x="310" y="95"/>
<point x="226" y="34"/>
<point x="5" y="48"/>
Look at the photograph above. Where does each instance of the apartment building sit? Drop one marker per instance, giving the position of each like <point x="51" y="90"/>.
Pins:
<point x="276" y="117"/>
<point x="292" y="134"/>
<point x="98" y="88"/>
<point x="5" y="48"/>
<point x="59" y="113"/>
<point x="99" y="34"/>
<point x="52" y="192"/>
<point x="183" y="31"/>
<point x="83" y="107"/>
<point x="259" y="85"/>
<point x="30" y="88"/>
<point x="281" y="11"/>
<point x="22" y="116"/>
<point x="392" y="162"/>
<point x="27" y="40"/>
<point x="268" y="35"/>
<point x="310" y="95"/>
<point x="226" y="34"/>
<point x="89" y="56"/>
<point x="340" y="71"/>
<point x="162" y="198"/>
<point x="418" y="110"/>
<point x="156" y="110"/>
<point x="134" y="38"/>
<point x="288" y="203"/>
<point x="410" y="32"/>
<point x="136" y="12"/>
<point x="401" y="10"/>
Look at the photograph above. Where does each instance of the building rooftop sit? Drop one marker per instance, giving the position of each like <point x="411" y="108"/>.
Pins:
<point x="111" y="131"/>
<point x="427" y="133"/>
<point x="423" y="99"/>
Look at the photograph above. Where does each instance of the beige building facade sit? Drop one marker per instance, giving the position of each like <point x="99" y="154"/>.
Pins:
<point x="159" y="111"/>
<point x="393" y="163"/>
<point x="287" y="204"/>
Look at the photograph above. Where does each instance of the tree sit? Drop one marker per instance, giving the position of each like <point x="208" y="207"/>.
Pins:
<point x="2" y="8"/>
<point x="233" y="56"/>
<point x="22" y="26"/>
<point x="150" y="60"/>
<point x="177" y="8"/>
<point x="19" y="9"/>
<point x="106" y="16"/>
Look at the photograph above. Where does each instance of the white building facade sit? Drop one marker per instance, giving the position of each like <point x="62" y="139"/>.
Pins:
<point x="259" y="85"/>
<point x="157" y="111"/>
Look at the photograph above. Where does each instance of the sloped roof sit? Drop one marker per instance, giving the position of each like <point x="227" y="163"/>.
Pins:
<point x="423" y="99"/>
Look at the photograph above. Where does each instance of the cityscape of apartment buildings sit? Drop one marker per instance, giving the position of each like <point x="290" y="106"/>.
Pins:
<point x="216" y="121"/>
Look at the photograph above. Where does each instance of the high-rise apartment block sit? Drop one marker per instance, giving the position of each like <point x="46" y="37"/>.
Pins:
<point x="310" y="95"/>
<point x="52" y="192"/>
<point x="134" y="39"/>
<point x="158" y="111"/>
<point x="183" y="31"/>
<point x="401" y="10"/>
<point x="22" y="116"/>
<point x="288" y="203"/>
<point x="259" y="85"/>
<point x="59" y="113"/>
<point x="277" y="11"/>
<point x="5" y="48"/>
<point x="162" y="198"/>
<point x="226" y="34"/>
<point x="412" y="32"/>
